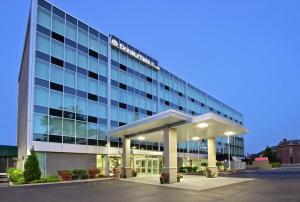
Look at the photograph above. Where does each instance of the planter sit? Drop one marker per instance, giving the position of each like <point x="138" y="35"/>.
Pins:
<point x="178" y="179"/>
<point x="164" y="180"/>
<point x="117" y="173"/>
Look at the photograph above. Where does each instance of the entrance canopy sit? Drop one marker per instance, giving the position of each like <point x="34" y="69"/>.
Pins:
<point x="188" y="127"/>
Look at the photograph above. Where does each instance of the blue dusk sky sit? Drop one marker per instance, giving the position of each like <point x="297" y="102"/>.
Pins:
<point x="245" y="53"/>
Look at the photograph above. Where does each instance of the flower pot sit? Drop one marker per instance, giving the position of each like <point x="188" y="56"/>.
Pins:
<point x="117" y="173"/>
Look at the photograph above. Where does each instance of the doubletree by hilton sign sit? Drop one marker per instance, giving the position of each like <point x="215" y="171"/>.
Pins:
<point x="134" y="53"/>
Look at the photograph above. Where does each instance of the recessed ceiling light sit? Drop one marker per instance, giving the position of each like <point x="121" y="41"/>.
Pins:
<point x="202" y="125"/>
<point x="195" y="138"/>
<point x="228" y="133"/>
<point x="141" y="138"/>
<point x="134" y="147"/>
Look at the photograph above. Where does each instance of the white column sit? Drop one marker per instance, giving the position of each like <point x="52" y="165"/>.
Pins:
<point x="170" y="154"/>
<point x="126" y="167"/>
<point x="211" y="152"/>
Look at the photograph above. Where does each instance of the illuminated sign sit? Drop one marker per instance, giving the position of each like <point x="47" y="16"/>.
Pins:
<point x="133" y="53"/>
<point x="261" y="159"/>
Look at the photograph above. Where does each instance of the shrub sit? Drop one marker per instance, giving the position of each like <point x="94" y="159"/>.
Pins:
<point x="79" y="174"/>
<point x="275" y="165"/>
<point x="21" y="180"/>
<point x="31" y="168"/>
<point x="65" y="175"/>
<point x="204" y="164"/>
<point x="14" y="174"/>
<point x="188" y="169"/>
<point x="93" y="172"/>
<point x="101" y="175"/>
<point x="53" y="179"/>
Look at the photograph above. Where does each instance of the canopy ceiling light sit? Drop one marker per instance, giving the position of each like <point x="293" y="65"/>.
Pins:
<point x="195" y="138"/>
<point x="228" y="133"/>
<point x="202" y="125"/>
<point x="141" y="138"/>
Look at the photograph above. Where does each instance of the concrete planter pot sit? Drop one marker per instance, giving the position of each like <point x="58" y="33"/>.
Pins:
<point x="117" y="173"/>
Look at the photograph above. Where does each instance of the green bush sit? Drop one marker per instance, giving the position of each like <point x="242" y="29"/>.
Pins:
<point x="187" y="169"/>
<point x="21" y="180"/>
<point x="204" y="164"/>
<point x="31" y="168"/>
<point x="79" y="174"/>
<point x="47" y="179"/>
<point x="275" y="165"/>
<point x="14" y="174"/>
<point x="53" y="179"/>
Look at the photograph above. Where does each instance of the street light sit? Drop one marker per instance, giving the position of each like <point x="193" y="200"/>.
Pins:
<point x="228" y="134"/>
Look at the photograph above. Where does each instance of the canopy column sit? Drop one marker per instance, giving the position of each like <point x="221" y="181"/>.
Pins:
<point x="212" y="157"/>
<point x="126" y="166"/>
<point x="170" y="154"/>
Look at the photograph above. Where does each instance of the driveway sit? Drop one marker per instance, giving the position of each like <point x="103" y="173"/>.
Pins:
<point x="276" y="185"/>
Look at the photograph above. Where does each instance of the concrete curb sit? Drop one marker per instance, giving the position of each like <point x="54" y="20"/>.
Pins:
<point x="62" y="182"/>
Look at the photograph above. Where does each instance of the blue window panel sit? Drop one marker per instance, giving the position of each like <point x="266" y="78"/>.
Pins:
<point x="82" y="60"/>
<point x="114" y="113"/>
<point x="122" y="115"/>
<point x="122" y="96"/>
<point x="57" y="49"/>
<point x="101" y="132"/>
<point x="81" y="129"/>
<point x="44" y="18"/>
<point x="41" y="96"/>
<point x="81" y="83"/>
<point x="102" y="111"/>
<point x="71" y="31"/>
<point x="102" y="89"/>
<point x="42" y="69"/>
<point x="40" y="123"/>
<point x="43" y="43"/>
<point x="92" y="130"/>
<point x="56" y="74"/>
<point x="81" y="106"/>
<point x="55" y="126"/>
<point x="93" y="86"/>
<point x="69" y="103"/>
<point x="93" y="64"/>
<point x="93" y="43"/>
<point x="115" y="54"/>
<point x="114" y="74"/>
<point x="82" y="37"/>
<point x="103" y="68"/>
<point x="58" y="25"/>
<point x="103" y="48"/>
<point x="69" y="78"/>
<point x="123" y="58"/>
<point x="122" y="77"/>
<point x="68" y="127"/>
<point x="92" y="108"/>
<point x="114" y="93"/>
<point x="70" y="55"/>
<point x="56" y="99"/>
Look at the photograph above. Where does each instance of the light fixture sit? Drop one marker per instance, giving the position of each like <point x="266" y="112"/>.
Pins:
<point x="141" y="138"/>
<point x="202" y="125"/>
<point x="195" y="138"/>
<point x="228" y="133"/>
<point x="134" y="147"/>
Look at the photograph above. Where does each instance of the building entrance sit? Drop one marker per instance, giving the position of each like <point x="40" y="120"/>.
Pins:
<point x="146" y="165"/>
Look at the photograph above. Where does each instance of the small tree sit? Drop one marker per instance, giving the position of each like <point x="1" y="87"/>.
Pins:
<point x="31" y="168"/>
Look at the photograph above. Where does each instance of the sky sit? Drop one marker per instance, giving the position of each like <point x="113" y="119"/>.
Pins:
<point x="244" y="53"/>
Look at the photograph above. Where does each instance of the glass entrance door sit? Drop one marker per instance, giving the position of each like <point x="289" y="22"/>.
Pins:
<point x="147" y="166"/>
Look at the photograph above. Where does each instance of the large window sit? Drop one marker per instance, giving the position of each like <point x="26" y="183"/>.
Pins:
<point x="69" y="78"/>
<point x="43" y="18"/>
<point x="93" y="64"/>
<point x="70" y="55"/>
<point x="69" y="127"/>
<point x="81" y="83"/>
<point x="93" y="108"/>
<point x="103" y="68"/>
<point x="56" y="74"/>
<point x="42" y="69"/>
<point x="82" y="60"/>
<point x="40" y="123"/>
<point x="93" y="86"/>
<point x="69" y="103"/>
<point x="57" y="49"/>
<point x="41" y="96"/>
<point x="55" y="99"/>
<point x="81" y="106"/>
<point x="43" y="43"/>
<point x="92" y="130"/>
<point x="103" y="47"/>
<point x="82" y="37"/>
<point x="81" y="129"/>
<point x="58" y="25"/>
<point x="55" y="126"/>
<point x="71" y="31"/>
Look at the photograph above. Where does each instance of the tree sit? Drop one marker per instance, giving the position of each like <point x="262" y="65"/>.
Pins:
<point x="271" y="156"/>
<point x="31" y="168"/>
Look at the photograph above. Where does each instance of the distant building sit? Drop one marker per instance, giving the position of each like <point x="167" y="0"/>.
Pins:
<point x="288" y="151"/>
<point x="8" y="157"/>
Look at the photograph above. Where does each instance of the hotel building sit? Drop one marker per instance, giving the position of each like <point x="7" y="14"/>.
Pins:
<point x="80" y="90"/>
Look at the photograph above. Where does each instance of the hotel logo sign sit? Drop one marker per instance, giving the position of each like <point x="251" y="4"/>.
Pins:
<point x="114" y="42"/>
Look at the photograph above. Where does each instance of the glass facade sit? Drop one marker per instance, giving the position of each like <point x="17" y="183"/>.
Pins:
<point x="84" y="86"/>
